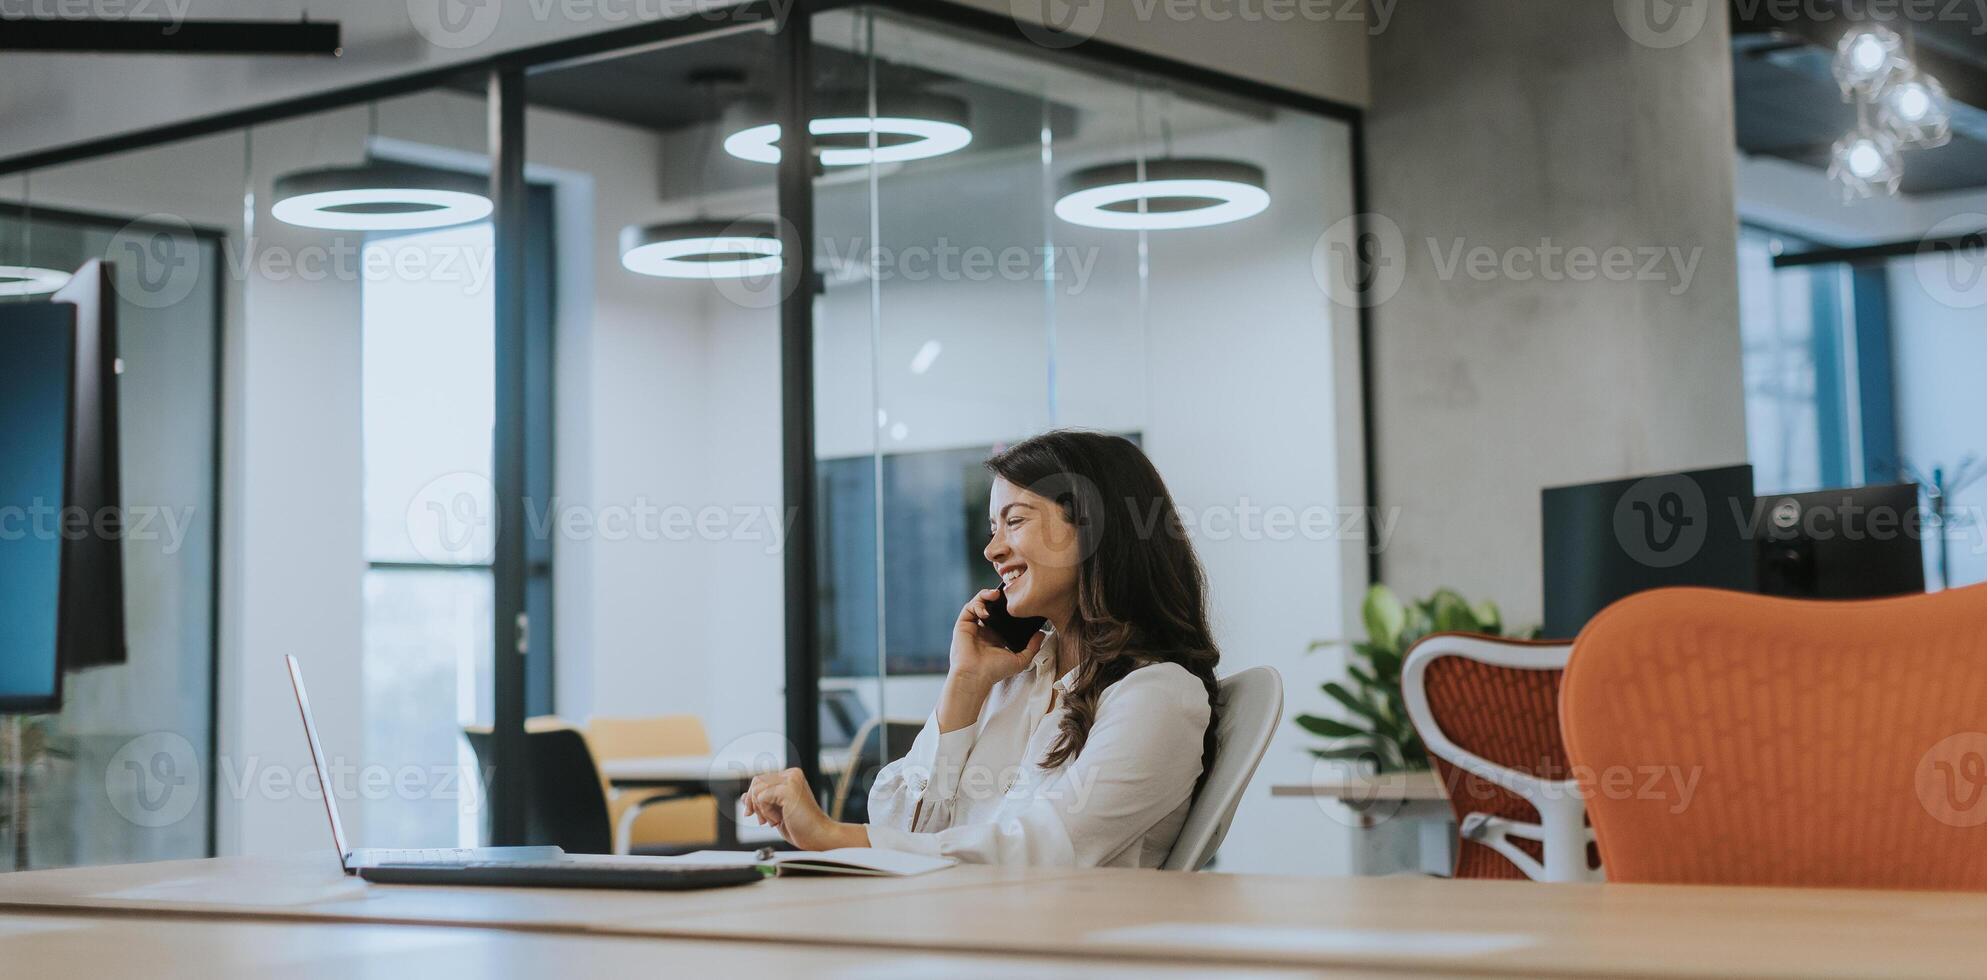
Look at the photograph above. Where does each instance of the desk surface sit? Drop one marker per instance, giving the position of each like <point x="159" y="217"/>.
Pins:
<point x="201" y="949"/>
<point x="1401" y="923"/>
<point x="1405" y="787"/>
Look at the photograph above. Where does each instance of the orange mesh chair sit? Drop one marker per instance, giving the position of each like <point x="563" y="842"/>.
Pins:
<point x="1488" y="709"/>
<point x="1726" y="738"/>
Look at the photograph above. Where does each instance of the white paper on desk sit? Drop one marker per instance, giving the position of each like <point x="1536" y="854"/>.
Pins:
<point x="840" y="861"/>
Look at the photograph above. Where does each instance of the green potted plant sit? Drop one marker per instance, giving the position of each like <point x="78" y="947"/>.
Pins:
<point x="1377" y="730"/>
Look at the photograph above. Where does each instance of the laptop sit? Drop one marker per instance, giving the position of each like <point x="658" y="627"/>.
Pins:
<point x="530" y="867"/>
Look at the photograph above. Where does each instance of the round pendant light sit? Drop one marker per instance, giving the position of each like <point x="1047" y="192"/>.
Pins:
<point x="1917" y="112"/>
<point x="913" y="126"/>
<point x="702" y="249"/>
<point x="1865" y="162"/>
<point x="1176" y="193"/>
<point x="30" y="280"/>
<point x="380" y="197"/>
<point x="1866" y="58"/>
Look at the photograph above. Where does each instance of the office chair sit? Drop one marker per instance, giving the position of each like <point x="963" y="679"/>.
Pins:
<point x="567" y="805"/>
<point x="1488" y="710"/>
<point x="877" y="744"/>
<point x="1251" y="706"/>
<point x="655" y="818"/>
<point x="1755" y="740"/>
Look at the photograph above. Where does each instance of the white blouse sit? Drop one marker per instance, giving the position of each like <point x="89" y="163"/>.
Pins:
<point x="979" y="794"/>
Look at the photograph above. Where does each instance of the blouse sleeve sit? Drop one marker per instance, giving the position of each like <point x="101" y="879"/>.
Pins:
<point x="919" y="792"/>
<point x="1139" y="764"/>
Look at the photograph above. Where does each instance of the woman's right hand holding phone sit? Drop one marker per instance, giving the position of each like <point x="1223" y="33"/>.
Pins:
<point x="979" y="661"/>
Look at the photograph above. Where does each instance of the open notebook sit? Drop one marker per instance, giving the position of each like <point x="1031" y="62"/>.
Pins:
<point x="841" y="861"/>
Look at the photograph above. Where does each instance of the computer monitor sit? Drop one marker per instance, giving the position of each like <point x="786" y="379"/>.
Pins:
<point x="36" y="351"/>
<point x="93" y="562"/>
<point x="1603" y="541"/>
<point x="1856" y="543"/>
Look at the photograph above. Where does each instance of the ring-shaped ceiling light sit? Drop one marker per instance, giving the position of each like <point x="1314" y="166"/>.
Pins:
<point x="1175" y="192"/>
<point x="702" y="249"/>
<point x="30" y="280"/>
<point x="380" y="197"/>
<point x="914" y="126"/>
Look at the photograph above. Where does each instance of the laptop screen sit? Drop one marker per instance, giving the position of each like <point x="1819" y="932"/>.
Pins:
<point x="317" y="760"/>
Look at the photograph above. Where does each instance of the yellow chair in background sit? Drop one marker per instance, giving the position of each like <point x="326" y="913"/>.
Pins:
<point x="692" y="821"/>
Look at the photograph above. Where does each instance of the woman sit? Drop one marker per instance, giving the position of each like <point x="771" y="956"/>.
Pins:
<point x="1085" y="749"/>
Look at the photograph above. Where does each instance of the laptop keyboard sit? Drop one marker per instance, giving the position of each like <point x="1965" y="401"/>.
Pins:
<point x="614" y="866"/>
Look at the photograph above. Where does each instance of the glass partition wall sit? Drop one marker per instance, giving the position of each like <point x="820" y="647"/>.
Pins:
<point x="1009" y="241"/>
<point x="1004" y="240"/>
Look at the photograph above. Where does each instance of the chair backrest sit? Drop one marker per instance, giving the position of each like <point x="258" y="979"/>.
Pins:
<point x="1727" y="738"/>
<point x="1487" y="708"/>
<point x="630" y="738"/>
<point x="566" y="805"/>
<point x="1250" y="708"/>
<point x="878" y="743"/>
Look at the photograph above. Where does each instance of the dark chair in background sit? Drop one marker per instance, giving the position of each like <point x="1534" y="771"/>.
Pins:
<point x="877" y="744"/>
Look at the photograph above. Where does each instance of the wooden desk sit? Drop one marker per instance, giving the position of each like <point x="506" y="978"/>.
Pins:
<point x="310" y="886"/>
<point x="1114" y="916"/>
<point x="1415" y="797"/>
<point x="188" y="949"/>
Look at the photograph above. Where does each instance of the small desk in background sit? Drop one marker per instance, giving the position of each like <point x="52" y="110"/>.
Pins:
<point x="1417" y="798"/>
<point x="726" y="779"/>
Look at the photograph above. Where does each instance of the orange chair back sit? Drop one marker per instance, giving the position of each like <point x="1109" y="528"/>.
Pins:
<point x="1510" y="717"/>
<point x="1727" y="738"/>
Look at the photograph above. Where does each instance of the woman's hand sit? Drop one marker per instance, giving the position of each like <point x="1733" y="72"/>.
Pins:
<point x="783" y="801"/>
<point x="978" y="655"/>
<point x="979" y="661"/>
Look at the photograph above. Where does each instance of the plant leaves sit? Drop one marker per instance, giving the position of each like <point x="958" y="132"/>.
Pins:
<point x="1489" y="619"/>
<point x="1355" y="705"/>
<point x="1330" y="727"/>
<point x="1384" y="616"/>
<point x="1358" y="752"/>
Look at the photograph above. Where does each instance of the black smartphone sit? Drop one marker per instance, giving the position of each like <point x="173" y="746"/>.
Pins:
<point x="1014" y="631"/>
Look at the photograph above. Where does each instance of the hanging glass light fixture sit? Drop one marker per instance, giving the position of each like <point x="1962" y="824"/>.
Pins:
<point x="1864" y="161"/>
<point x="1163" y="194"/>
<point x="1867" y="58"/>
<point x="1917" y="112"/>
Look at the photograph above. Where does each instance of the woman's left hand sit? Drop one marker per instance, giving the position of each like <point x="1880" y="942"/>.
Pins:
<point x="783" y="801"/>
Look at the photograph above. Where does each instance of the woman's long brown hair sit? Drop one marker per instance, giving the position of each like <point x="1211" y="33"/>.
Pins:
<point x="1141" y="597"/>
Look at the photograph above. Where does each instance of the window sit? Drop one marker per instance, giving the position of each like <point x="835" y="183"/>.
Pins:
<point x="429" y="404"/>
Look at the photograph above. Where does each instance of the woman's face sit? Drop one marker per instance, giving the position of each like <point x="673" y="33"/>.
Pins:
<point x="1034" y="549"/>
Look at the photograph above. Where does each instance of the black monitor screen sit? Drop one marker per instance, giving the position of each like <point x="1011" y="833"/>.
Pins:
<point x="1604" y="541"/>
<point x="35" y="385"/>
